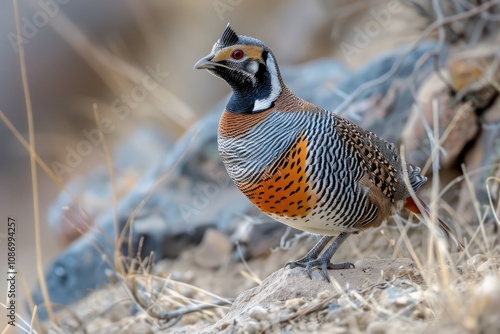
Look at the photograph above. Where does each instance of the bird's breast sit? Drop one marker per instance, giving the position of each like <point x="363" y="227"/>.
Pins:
<point x="268" y="161"/>
<point x="285" y="188"/>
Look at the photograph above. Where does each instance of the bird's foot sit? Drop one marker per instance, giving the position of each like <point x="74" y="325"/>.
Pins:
<point x="311" y="255"/>
<point x="313" y="260"/>
<point x="320" y="263"/>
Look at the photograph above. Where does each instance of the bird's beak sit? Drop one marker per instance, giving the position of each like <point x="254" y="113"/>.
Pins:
<point x="205" y="63"/>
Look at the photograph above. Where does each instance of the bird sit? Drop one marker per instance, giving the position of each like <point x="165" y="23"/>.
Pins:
<point x="303" y="165"/>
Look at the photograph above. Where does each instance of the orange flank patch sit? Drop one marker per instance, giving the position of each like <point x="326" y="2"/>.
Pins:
<point x="287" y="191"/>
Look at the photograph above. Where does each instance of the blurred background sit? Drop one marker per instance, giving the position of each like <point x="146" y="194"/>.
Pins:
<point x="81" y="53"/>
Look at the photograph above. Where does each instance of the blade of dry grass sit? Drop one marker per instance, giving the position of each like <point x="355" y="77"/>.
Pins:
<point x="163" y="290"/>
<point x="441" y="253"/>
<point x="496" y="212"/>
<point x="447" y="131"/>
<point x="111" y="171"/>
<point x="27" y="329"/>
<point x="249" y="274"/>
<point x="477" y="208"/>
<point x="33" y="318"/>
<point x="34" y="179"/>
<point x="408" y="244"/>
<point x="29" y="299"/>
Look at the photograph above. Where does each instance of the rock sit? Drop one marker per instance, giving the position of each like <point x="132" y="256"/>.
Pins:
<point x="258" y="313"/>
<point x="264" y="302"/>
<point x="458" y="122"/>
<point x="469" y="126"/>
<point x="481" y="162"/>
<point x="384" y="108"/>
<point x="484" y="154"/>
<point x="94" y="192"/>
<point x="214" y="250"/>
<point x="294" y="304"/>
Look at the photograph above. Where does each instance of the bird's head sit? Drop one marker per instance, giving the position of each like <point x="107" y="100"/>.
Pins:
<point x="249" y="67"/>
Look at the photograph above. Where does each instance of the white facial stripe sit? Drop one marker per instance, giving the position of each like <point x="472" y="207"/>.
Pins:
<point x="253" y="67"/>
<point x="275" y="86"/>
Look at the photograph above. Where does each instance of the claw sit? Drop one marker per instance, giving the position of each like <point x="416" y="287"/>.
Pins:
<point x="324" y="271"/>
<point x="302" y="262"/>
<point x="345" y="265"/>
<point x="295" y="264"/>
<point x="308" y="270"/>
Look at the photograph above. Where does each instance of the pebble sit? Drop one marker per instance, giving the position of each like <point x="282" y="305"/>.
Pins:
<point x="259" y="313"/>
<point x="294" y="304"/>
<point x="251" y="327"/>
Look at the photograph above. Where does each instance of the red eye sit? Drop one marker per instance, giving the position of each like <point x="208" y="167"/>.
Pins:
<point x="237" y="54"/>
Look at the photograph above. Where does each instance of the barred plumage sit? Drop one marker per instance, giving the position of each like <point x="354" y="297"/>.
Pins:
<point x="302" y="165"/>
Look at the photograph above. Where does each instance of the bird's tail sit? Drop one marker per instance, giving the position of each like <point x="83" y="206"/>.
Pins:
<point x="410" y="205"/>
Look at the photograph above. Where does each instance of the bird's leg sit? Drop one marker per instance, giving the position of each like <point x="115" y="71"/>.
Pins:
<point x="323" y="261"/>
<point x="312" y="254"/>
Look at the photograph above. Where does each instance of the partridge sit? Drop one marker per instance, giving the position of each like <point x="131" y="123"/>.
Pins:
<point x="300" y="164"/>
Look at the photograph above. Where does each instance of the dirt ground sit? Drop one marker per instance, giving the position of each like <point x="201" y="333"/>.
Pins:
<point x="388" y="293"/>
